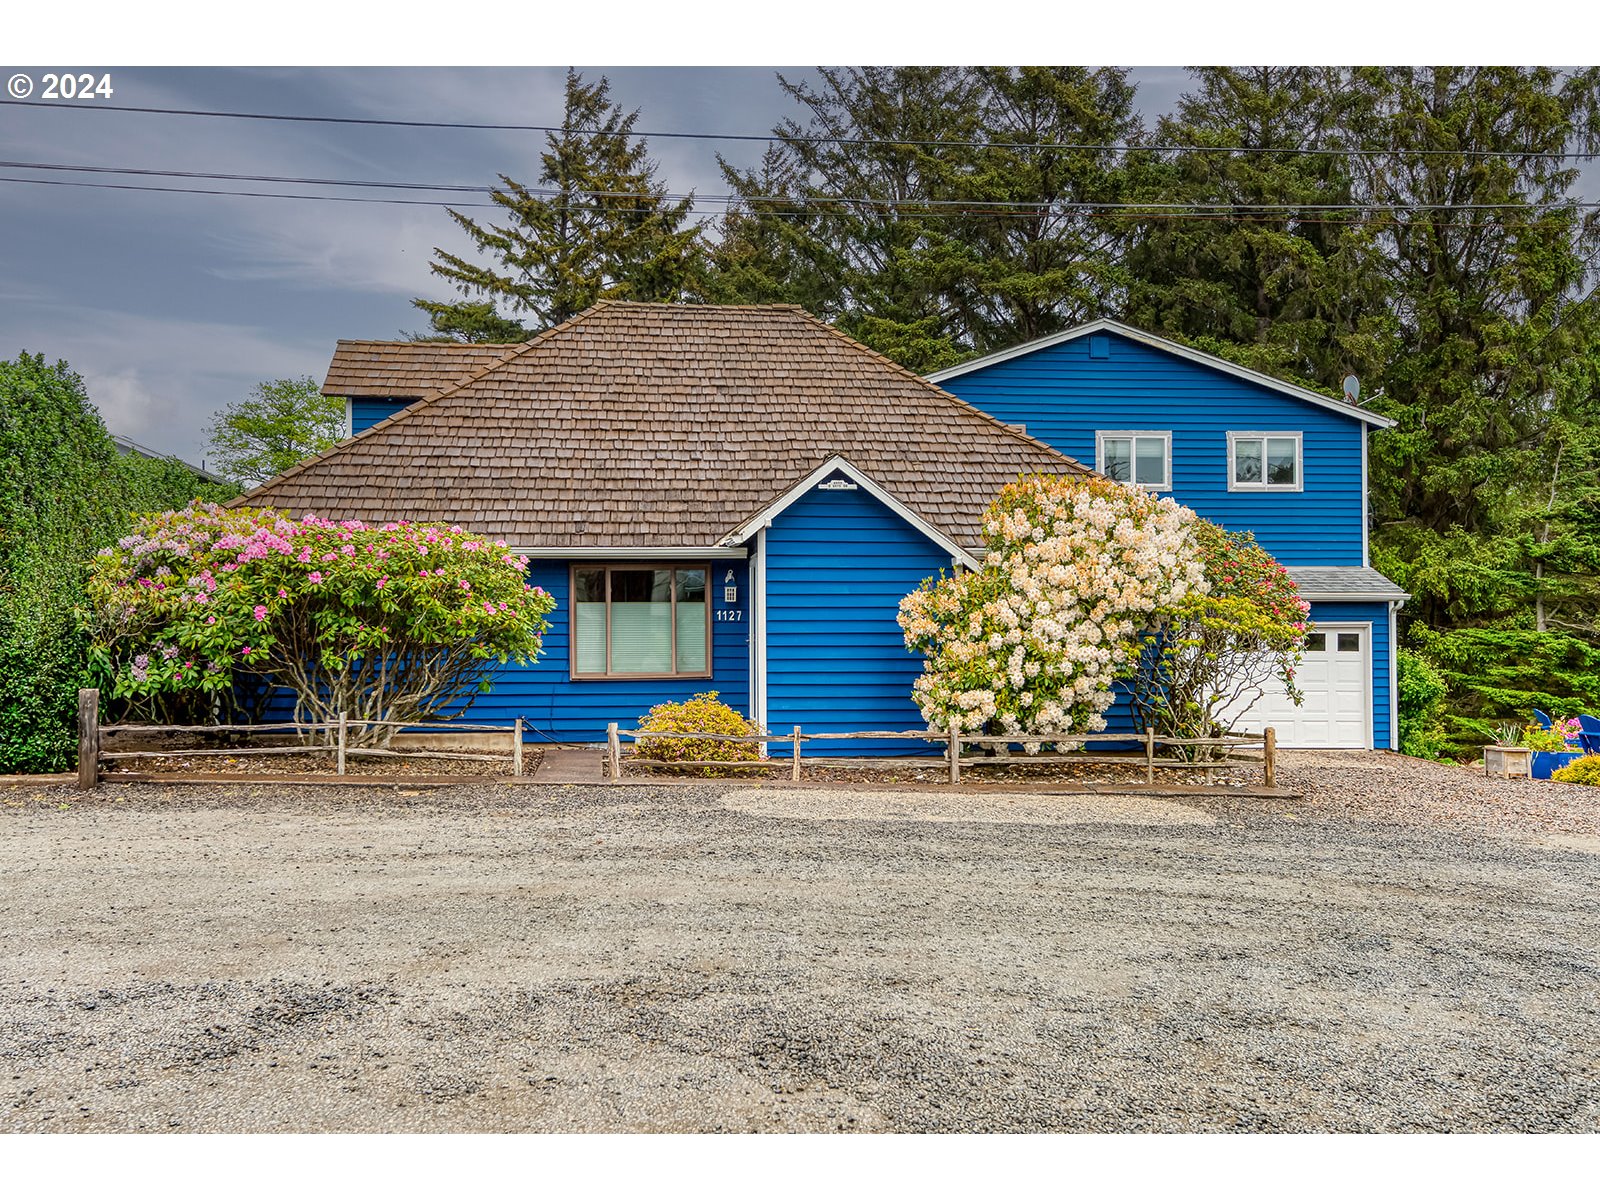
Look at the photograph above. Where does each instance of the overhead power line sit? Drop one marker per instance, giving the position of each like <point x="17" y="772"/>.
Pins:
<point x="1238" y="213"/>
<point x="800" y="139"/>
<point x="962" y="206"/>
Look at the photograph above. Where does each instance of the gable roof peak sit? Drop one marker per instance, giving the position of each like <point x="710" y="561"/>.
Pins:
<point x="1168" y="345"/>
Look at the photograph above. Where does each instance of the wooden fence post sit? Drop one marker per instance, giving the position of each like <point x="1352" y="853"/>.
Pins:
<point x="1150" y="755"/>
<point x="88" y="738"/>
<point x="955" y="752"/>
<point x="1269" y="756"/>
<point x="613" y="753"/>
<point x="341" y="743"/>
<point x="516" y="748"/>
<point x="794" y="767"/>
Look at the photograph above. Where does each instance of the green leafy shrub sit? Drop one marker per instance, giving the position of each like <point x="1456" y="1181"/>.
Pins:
<point x="1585" y="770"/>
<point x="1421" y="702"/>
<point x="1503" y="673"/>
<point x="702" y="713"/>
<point x="64" y="490"/>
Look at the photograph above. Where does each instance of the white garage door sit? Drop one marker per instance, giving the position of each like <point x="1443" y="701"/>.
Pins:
<point x="1335" y="676"/>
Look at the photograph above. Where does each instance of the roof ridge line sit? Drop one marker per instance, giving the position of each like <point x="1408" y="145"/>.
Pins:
<point x="411" y="409"/>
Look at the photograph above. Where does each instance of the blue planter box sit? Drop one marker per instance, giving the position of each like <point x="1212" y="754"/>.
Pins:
<point x="1546" y="761"/>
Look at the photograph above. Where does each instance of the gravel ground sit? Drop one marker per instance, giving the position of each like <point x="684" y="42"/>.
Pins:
<point x="1404" y="947"/>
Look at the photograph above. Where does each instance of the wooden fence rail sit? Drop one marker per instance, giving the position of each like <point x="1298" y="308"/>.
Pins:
<point x="954" y="739"/>
<point x="90" y="754"/>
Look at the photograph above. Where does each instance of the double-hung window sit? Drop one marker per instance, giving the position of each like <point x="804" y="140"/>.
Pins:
<point x="1142" y="457"/>
<point x="1264" y="462"/>
<point x="641" y="621"/>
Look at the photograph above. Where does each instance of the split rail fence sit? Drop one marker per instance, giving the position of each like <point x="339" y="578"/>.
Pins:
<point x="954" y="740"/>
<point x="91" y="755"/>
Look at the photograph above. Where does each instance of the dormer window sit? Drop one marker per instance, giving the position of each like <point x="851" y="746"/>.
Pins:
<point x="1142" y="457"/>
<point x="1264" y="462"/>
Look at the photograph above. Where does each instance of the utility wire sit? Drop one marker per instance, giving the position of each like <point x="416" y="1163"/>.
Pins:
<point x="1086" y="208"/>
<point x="965" y="206"/>
<point x="799" y="139"/>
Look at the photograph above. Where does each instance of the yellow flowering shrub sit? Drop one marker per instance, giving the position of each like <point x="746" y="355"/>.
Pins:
<point x="1584" y="770"/>
<point x="702" y="713"/>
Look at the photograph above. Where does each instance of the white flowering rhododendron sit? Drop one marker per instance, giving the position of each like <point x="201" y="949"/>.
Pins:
<point x="1031" y="643"/>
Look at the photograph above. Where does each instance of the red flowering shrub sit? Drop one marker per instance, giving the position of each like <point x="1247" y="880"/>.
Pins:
<point x="397" y="622"/>
<point x="1208" y="658"/>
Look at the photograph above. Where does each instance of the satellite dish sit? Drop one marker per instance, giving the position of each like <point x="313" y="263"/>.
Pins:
<point x="1352" y="389"/>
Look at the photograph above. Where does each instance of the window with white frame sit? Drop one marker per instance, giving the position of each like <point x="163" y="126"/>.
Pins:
<point x="641" y="621"/>
<point x="1265" y="462"/>
<point x="1138" y="456"/>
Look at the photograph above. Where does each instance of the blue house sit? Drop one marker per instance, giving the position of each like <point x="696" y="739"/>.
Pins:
<point x="729" y="499"/>
<point x="1246" y="451"/>
<point x="735" y="499"/>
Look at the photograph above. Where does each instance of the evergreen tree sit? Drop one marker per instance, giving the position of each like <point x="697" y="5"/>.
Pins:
<point x="1049" y="263"/>
<point x="853" y="225"/>
<point x="1280" y="280"/>
<point x="1487" y="246"/>
<point x="597" y="226"/>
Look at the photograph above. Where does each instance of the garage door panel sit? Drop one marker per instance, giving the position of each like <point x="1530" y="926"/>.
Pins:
<point x="1333" y="677"/>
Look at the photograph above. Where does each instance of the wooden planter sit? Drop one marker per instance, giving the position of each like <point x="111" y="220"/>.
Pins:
<point x="1508" y="762"/>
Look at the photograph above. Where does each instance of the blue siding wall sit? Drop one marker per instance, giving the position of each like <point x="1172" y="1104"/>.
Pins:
<point x="1382" y="700"/>
<point x="556" y="707"/>
<point x="568" y="710"/>
<point x="1063" y="396"/>
<point x="838" y="564"/>
<point x="365" y="413"/>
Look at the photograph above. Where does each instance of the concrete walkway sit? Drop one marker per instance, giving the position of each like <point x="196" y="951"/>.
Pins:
<point x="571" y="764"/>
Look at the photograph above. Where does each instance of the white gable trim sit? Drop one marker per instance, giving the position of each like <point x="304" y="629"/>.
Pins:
<point x="1171" y="347"/>
<point x="840" y="465"/>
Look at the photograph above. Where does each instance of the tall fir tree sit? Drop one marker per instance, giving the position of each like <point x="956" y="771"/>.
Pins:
<point x="1029" y="258"/>
<point x="846" y="215"/>
<point x="1266" y="269"/>
<point x="598" y="225"/>
<point x="1483" y="243"/>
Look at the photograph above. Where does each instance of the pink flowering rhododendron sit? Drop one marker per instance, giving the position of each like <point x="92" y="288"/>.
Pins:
<point x="368" y="631"/>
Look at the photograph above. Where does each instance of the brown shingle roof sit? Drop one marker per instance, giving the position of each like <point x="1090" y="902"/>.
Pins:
<point x="406" y="369"/>
<point x="654" y="425"/>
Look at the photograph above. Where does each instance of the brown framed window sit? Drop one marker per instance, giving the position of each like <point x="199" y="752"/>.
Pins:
<point x="641" y="621"/>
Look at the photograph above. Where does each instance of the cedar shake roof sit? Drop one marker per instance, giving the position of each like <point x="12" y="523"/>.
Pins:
<point x="408" y="369"/>
<point x="655" y="425"/>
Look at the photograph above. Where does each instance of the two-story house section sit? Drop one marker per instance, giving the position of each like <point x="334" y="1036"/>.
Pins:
<point x="1247" y="451"/>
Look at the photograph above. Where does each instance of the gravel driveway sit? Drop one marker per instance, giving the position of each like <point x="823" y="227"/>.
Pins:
<point x="1392" y="952"/>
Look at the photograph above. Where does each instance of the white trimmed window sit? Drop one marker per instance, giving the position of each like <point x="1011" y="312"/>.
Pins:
<point x="1142" y="457"/>
<point x="1265" y="462"/>
<point x="641" y="621"/>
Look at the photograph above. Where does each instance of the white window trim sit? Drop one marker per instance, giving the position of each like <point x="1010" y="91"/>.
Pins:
<point x="1100" y="436"/>
<point x="1299" y="484"/>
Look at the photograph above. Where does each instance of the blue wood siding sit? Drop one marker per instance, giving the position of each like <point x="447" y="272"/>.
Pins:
<point x="556" y="707"/>
<point x="838" y="564"/>
<point x="1377" y="612"/>
<point x="1063" y="395"/>
<point x="567" y="710"/>
<point x="365" y="413"/>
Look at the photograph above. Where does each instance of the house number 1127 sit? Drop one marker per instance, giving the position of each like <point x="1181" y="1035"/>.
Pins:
<point x="730" y="614"/>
